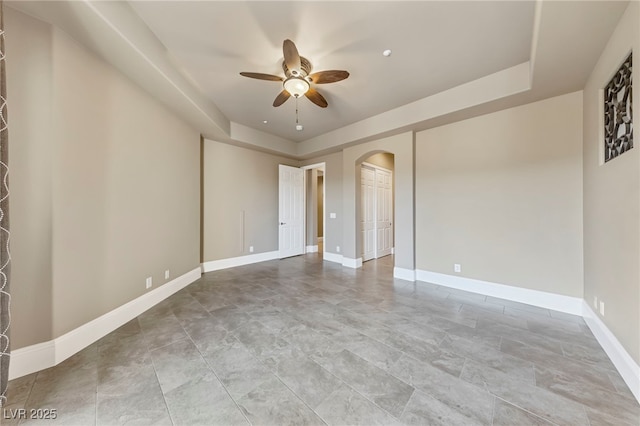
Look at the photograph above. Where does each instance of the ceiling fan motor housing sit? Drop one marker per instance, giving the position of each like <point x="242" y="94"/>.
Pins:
<point x="298" y="77"/>
<point x="304" y="71"/>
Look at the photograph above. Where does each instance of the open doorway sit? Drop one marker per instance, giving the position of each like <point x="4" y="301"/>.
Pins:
<point x="320" y="227"/>
<point x="377" y="206"/>
<point x="314" y="207"/>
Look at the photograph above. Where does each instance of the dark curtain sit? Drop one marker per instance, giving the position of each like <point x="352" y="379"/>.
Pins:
<point x="5" y="257"/>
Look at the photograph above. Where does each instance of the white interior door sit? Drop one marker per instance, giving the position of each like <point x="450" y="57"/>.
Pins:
<point x="368" y="224"/>
<point x="291" y="211"/>
<point x="384" y="213"/>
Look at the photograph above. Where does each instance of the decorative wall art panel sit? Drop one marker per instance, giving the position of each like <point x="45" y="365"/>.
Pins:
<point x="618" y="112"/>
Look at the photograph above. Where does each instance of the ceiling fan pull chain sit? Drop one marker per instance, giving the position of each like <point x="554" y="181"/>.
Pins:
<point x="299" y="127"/>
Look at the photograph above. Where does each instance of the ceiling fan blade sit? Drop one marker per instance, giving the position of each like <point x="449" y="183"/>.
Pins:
<point x="314" y="96"/>
<point x="281" y="98"/>
<point x="291" y="56"/>
<point x="261" y="76"/>
<point x="330" y="76"/>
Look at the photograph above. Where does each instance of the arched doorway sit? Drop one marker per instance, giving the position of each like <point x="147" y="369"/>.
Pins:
<point x="402" y="148"/>
<point x="376" y="206"/>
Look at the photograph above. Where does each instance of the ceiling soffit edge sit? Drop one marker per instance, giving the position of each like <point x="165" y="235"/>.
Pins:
<point x="114" y="32"/>
<point x="130" y="28"/>
<point x="115" y="26"/>
<point x="498" y="85"/>
<point x="535" y="37"/>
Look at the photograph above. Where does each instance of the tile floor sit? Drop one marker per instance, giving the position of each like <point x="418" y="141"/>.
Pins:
<point x="299" y="341"/>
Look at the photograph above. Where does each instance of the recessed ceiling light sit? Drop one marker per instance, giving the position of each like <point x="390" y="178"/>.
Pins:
<point x="299" y="127"/>
<point x="265" y="121"/>
<point x="386" y="53"/>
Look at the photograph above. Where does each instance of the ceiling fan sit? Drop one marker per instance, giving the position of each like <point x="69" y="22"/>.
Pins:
<point x="298" y="80"/>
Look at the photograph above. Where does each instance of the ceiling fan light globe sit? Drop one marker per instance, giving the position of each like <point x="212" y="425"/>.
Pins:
<point x="296" y="86"/>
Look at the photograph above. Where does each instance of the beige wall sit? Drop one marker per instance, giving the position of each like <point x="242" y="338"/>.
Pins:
<point x="28" y="44"/>
<point x="501" y="195"/>
<point x="612" y="202"/>
<point x="240" y="200"/>
<point x="123" y="202"/>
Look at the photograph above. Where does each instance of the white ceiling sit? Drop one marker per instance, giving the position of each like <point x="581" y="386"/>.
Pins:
<point x="451" y="60"/>
<point x="435" y="46"/>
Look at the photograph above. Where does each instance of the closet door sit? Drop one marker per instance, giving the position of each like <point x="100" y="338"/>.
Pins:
<point x="384" y="213"/>
<point x="367" y="177"/>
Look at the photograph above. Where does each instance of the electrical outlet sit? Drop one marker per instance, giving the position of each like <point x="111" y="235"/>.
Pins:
<point x="166" y="274"/>
<point x="250" y="249"/>
<point x="601" y="308"/>
<point x="595" y="302"/>
<point x="149" y="282"/>
<point x="338" y="249"/>
<point x="332" y="216"/>
<point x="456" y="267"/>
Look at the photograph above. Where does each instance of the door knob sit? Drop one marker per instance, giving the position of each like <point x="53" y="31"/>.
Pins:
<point x="282" y="223"/>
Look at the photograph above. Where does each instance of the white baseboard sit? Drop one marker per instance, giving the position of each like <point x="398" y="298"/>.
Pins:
<point x="352" y="263"/>
<point x="48" y="354"/>
<point x="232" y="262"/>
<point x="312" y="249"/>
<point x="332" y="257"/>
<point x="624" y="363"/>
<point x="626" y="366"/>
<point x="31" y="359"/>
<point x="557" y="302"/>
<point x="404" y="274"/>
